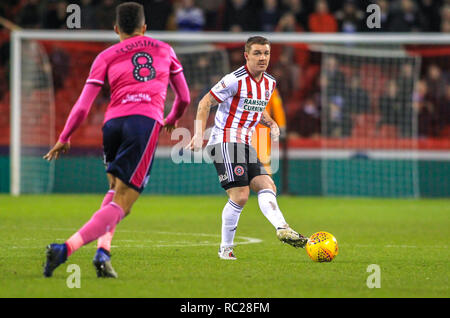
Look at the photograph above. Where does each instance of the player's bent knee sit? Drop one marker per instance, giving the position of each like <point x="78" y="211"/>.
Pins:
<point x="274" y="187"/>
<point x="263" y="182"/>
<point x="269" y="184"/>
<point x="239" y="195"/>
<point x="125" y="196"/>
<point x="240" y="200"/>
<point x="124" y="204"/>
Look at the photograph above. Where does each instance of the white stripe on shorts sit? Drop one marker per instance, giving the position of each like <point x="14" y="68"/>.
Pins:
<point x="227" y="161"/>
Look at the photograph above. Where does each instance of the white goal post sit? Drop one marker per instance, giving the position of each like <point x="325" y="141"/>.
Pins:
<point x="18" y="36"/>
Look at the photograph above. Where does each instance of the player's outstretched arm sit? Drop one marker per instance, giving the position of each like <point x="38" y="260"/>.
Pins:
<point x="77" y="115"/>
<point x="182" y="100"/>
<point x="204" y="107"/>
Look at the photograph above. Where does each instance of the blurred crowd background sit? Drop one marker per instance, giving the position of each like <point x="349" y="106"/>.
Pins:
<point x="354" y="105"/>
<point x="242" y="15"/>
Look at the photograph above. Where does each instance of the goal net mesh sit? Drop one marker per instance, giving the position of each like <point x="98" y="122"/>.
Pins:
<point x="37" y="123"/>
<point x="366" y="95"/>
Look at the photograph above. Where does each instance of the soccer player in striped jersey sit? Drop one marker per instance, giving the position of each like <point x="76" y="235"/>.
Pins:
<point x="242" y="97"/>
<point x="138" y="69"/>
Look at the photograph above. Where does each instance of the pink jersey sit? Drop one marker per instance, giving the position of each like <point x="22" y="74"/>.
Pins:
<point x="138" y="71"/>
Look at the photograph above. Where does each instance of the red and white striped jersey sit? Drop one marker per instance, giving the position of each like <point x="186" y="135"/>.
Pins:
<point x="242" y="101"/>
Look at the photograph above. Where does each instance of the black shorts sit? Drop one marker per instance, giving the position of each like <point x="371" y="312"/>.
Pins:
<point x="236" y="164"/>
<point x="129" y="145"/>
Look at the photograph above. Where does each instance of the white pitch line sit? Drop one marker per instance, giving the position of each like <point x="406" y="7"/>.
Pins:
<point x="207" y="243"/>
<point x="393" y="246"/>
<point x="247" y="240"/>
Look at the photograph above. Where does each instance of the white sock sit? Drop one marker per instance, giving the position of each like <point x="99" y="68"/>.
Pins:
<point x="230" y="218"/>
<point x="268" y="204"/>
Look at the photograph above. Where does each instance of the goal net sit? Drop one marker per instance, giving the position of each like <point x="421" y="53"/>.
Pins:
<point x="37" y="121"/>
<point x="367" y="95"/>
<point x="363" y="116"/>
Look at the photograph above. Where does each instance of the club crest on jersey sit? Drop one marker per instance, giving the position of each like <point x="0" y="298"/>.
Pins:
<point x="223" y="84"/>
<point x="249" y="94"/>
<point x="267" y="95"/>
<point x="239" y="170"/>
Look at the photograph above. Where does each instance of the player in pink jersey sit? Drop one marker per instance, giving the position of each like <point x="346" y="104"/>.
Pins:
<point x="139" y="69"/>
<point x="242" y="97"/>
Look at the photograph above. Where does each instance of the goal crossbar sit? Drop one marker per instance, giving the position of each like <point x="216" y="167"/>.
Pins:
<point x="226" y="37"/>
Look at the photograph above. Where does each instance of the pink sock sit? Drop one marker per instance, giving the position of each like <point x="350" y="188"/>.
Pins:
<point x="101" y="222"/>
<point x="104" y="241"/>
<point x="108" y="198"/>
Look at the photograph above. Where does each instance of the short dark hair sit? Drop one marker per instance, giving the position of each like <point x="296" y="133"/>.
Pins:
<point x="129" y="17"/>
<point x="255" y="40"/>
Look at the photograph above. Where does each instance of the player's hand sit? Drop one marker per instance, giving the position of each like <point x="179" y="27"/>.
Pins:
<point x="274" y="132"/>
<point x="57" y="150"/>
<point x="196" y="143"/>
<point x="169" y="127"/>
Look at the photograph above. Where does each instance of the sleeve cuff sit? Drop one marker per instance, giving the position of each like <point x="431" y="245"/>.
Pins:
<point x="63" y="140"/>
<point x="94" y="81"/>
<point x="176" y="71"/>
<point x="215" y="97"/>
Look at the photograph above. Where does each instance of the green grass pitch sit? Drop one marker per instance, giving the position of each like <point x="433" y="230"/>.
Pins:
<point x="168" y="246"/>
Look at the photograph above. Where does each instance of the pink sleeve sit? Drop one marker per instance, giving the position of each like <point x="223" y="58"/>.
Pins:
<point x="175" y="66"/>
<point x="79" y="111"/>
<point x="182" y="98"/>
<point x="98" y="70"/>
